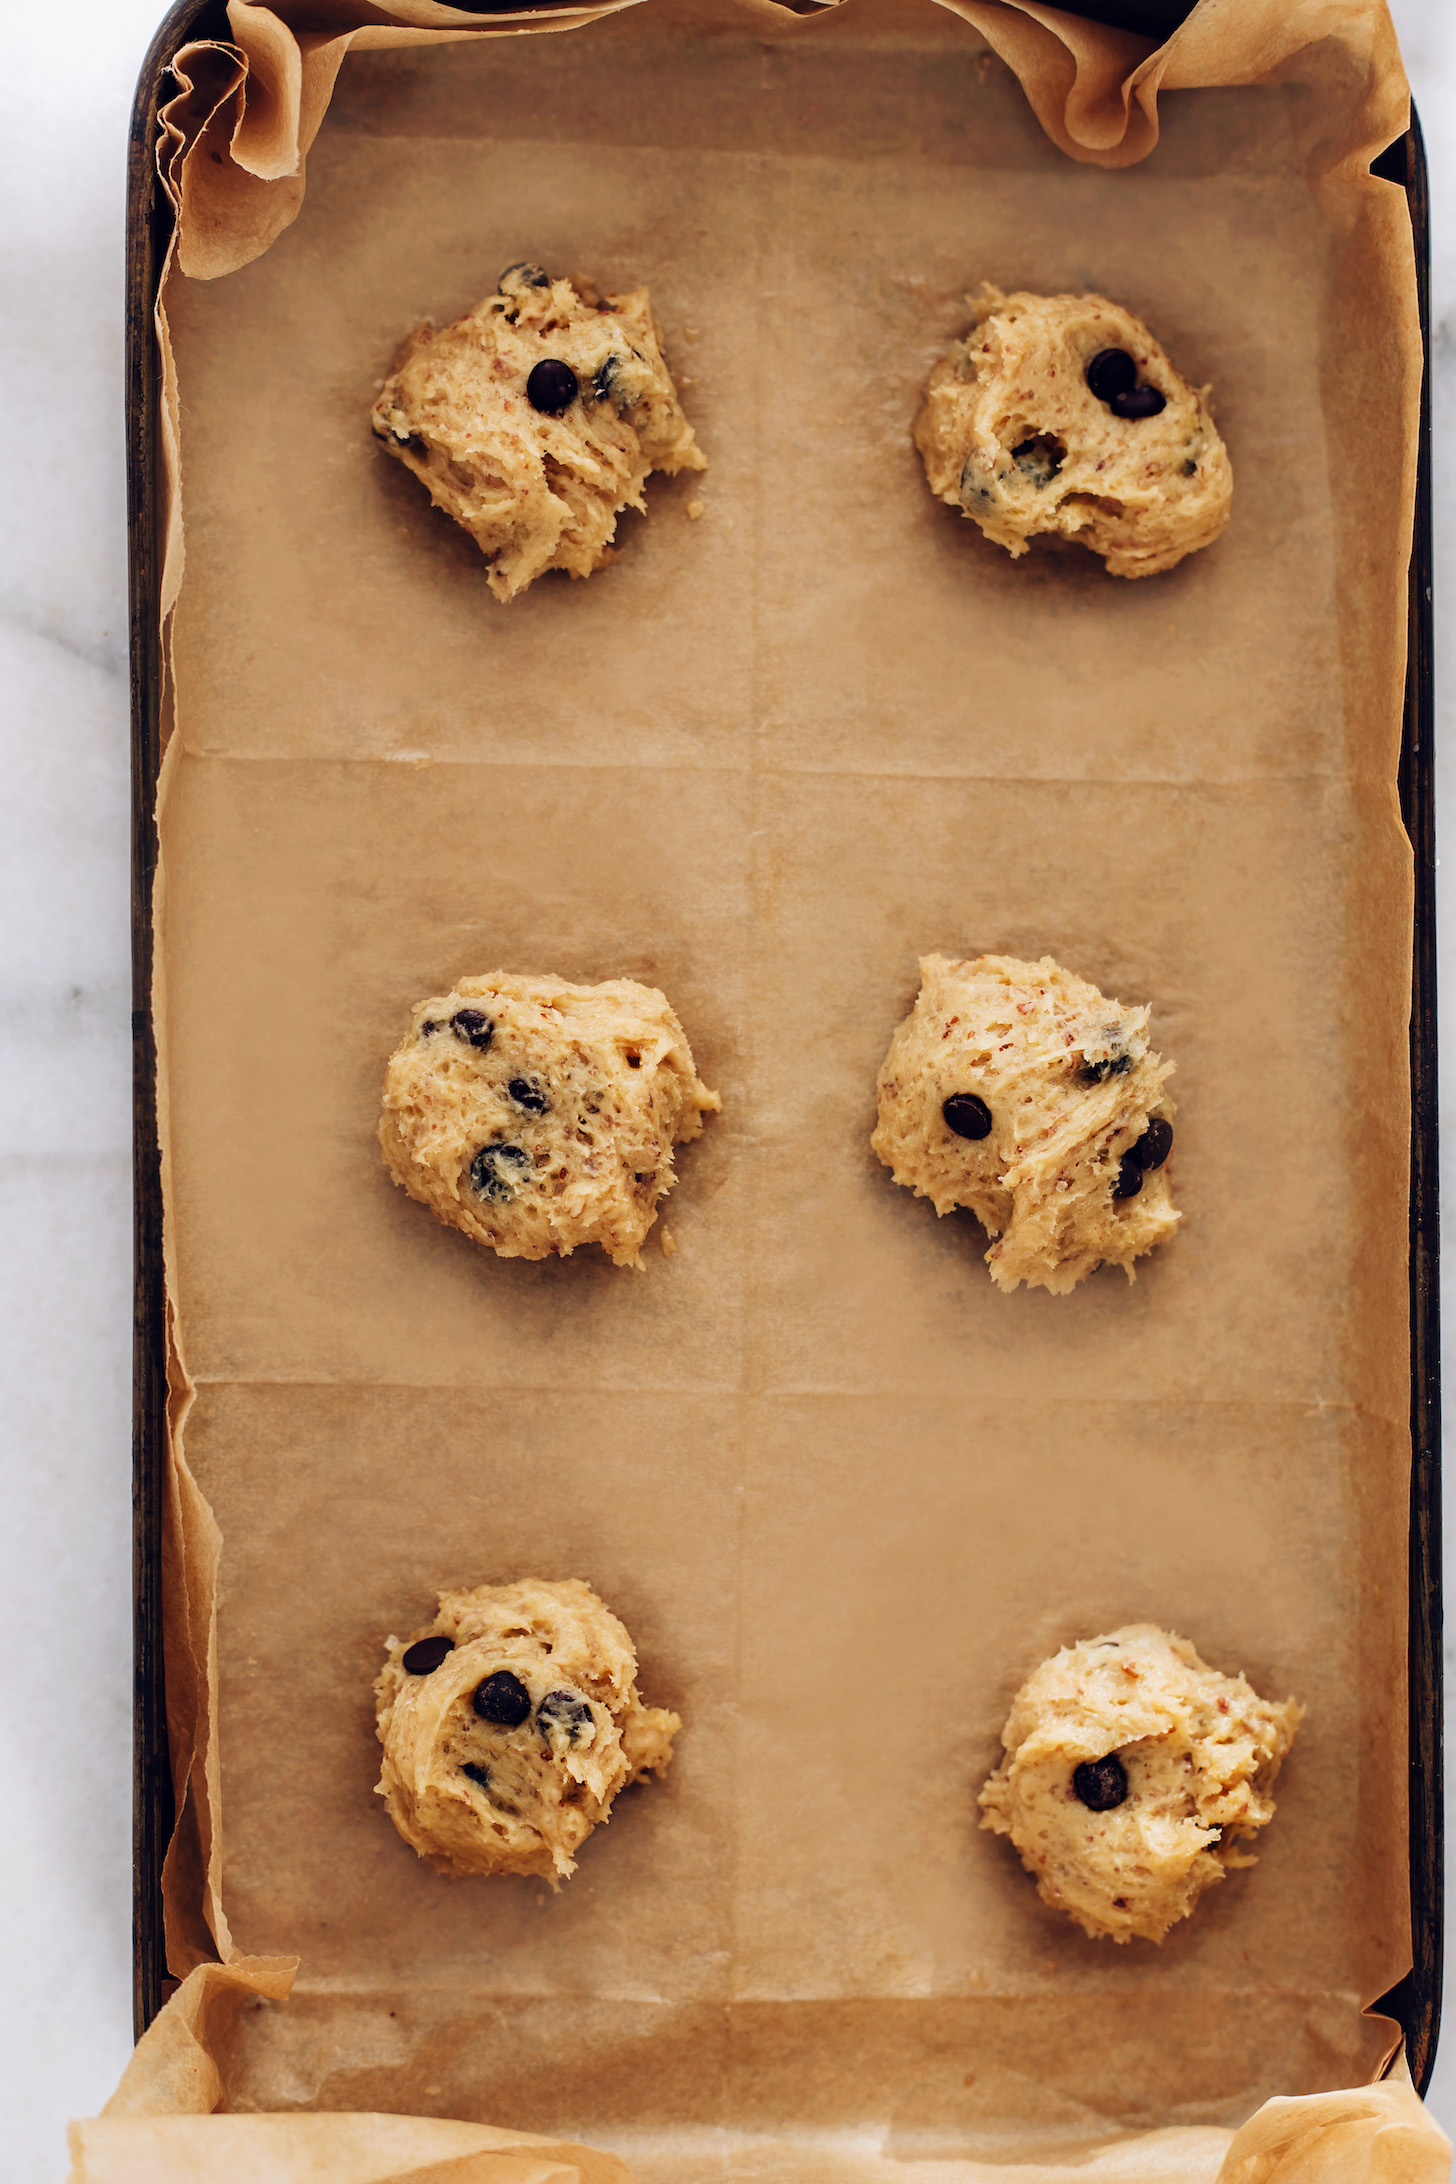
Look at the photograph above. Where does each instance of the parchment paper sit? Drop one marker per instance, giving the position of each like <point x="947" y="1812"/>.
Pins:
<point x="844" y="1494"/>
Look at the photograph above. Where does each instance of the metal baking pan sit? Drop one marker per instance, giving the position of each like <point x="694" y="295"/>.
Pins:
<point x="1415" y="2001"/>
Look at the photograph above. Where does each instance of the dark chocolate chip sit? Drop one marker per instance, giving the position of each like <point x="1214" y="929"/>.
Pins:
<point x="426" y="1654"/>
<point x="1039" y="459"/>
<point x="1111" y="371"/>
<point x="474" y="1027"/>
<point x="968" y="1116"/>
<point x="1138" y="402"/>
<point x="503" y="1699"/>
<point x="1101" y="1784"/>
<point x="528" y="1093"/>
<point x="428" y="1028"/>
<point x="496" y="1170"/>
<point x="477" y="1773"/>
<point x="551" y="387"/>
<point x="1129" y="1178"/>
<point x="603" y="377"/>
<point x="1155" y="1144"/>
<point x="973" y="486"/>
<point x="522" y="276"/>
<point x="1190" y="468"/>
<point x="1117" y="1065"/>
<point x="564" y="1712"/>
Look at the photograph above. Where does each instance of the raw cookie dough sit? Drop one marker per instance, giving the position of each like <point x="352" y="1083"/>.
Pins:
<point x="536" y="420"/>
<point x="509" y="1724"/>
<point x="1134" y="1777"/>
<point x="1015" y="1090"/>
<point x="538" y="1116"/>
<point x="1013" y="434"/>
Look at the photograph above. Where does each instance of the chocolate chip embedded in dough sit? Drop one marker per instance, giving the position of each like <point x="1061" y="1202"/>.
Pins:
<point x="563" y="1715"/>
<point x="1040" y="459"/>
<point x="528" y="1092"/>
<point x="497" y="1172"/>
<point x="603" y="377"/>
<point x="551" y="387"/>
<point x="428" y="1028"/>
<point x="503" y="1699"/>
<point x="1129" y="1178"/>
<point x="1138" y="402"/>
<point x="474" y="1027"/>
<point x="1117" y="1065"/>
<point x="1101" y="1784"/>
<point x="476" y="1772"/>
<point x="523" y="275"/>
<point x="1155" y="1144"/>
<point x="968" y="1116"/>
<point x="426" y="1654"/>
<point x="1111" y="372"/>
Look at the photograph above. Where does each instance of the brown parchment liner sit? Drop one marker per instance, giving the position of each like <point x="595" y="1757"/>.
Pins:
<point x="835" y="1485"/>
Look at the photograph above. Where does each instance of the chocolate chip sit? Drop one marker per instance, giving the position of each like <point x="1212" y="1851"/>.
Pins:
<point x="496" y="1171"/>
<point x="968" y="1116"/>
<point x="1129" y="1178"/>
<point x="503" y="1699"/>
<point x="428" y="1028"/>
<point x="1040" y="459"/>
<point x="605" y="373"/>
<point x="1155" y="1144"/>
<point x="1117" y="1065"/>
<point x="528" y="1093"/>
<point x="1111" y="372"/>
<point x="551" y="387"/>
<point x="564" y="1713"/>
<point x="474" y="1027"/>
<point x="477" y="1773"/>
<point x="523" y="276"/>
<point x="425" y="1655"/>
<point x="1101" y="1784"/>
<point x="973" y="486"/>
<point x="1138" y="402"/>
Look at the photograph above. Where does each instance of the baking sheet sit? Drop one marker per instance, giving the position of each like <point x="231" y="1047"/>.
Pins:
<point x="843" y="1494"/>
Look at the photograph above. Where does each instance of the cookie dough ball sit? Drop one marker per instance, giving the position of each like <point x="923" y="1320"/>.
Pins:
<point x="1135" y="1776"/>
<point x="538" y="1116"/>
<point x="1016" y="1090"/>
<point x="509" y="1724"/>
<point x="535" y="421"/>
<point x="1061" y="413"/>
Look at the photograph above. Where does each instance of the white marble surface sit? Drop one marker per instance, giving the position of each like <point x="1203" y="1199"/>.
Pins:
<point x="64" y="1048"/>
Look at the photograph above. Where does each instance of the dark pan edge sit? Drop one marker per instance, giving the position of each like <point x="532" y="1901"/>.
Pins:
<point x="148" y="230"/>
<point x="1415" y="2002"/>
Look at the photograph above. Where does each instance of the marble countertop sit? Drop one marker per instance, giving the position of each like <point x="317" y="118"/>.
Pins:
<point x="65" y="1549"/>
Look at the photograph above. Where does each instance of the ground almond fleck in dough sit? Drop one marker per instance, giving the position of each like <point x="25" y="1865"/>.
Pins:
<point x="1135" y="1777"/>
<point x="1012" y="434"/>
<point x="1068" y="1170"/>
<point x="538" y="488"/>
<point x="538" y="1116"/>
<point x="509" y="1724"/>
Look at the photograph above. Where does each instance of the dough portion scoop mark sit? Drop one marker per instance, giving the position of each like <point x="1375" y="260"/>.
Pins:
<point x="1042" y="1152"/>
<point x="1062" y="414"/>
<point x="534" y="1706"/>
<point x="550" y="1120"/>
<point x="1175" y="1760"/>
<point x="535" y="420"/>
